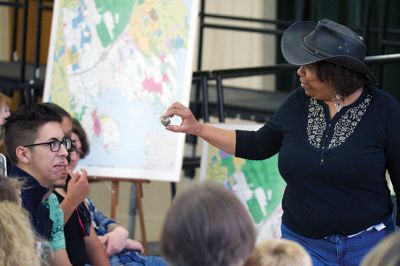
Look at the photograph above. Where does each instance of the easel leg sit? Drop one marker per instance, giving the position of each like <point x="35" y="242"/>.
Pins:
<point x="114" y="198"/>
<point x="139" y="207"/>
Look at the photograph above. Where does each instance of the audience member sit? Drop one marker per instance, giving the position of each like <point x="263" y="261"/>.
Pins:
<point x="83" y="246"/>
<point x="121" y="249"/>
<point x="386" y="253"/>
<point x="17" y="242"/>
<point x="10" y="190"/>
<point x="113" y="237"/>
<point x="5" y="102"/>
<point x="37" y="148"/>
<point x="207" y="225"/>
<point x="279" y="252"/>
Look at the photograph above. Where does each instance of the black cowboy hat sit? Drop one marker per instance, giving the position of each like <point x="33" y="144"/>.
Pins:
<point x="306" y="42"/>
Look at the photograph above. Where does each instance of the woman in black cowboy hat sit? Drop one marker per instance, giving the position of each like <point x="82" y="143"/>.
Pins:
<point x="336" y="136"/>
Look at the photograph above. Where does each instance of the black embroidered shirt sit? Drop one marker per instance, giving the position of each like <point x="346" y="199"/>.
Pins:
<point x="334" y="167"/>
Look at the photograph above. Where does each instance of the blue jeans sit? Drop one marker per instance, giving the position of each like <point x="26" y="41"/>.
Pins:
<point x="338" y="250"/>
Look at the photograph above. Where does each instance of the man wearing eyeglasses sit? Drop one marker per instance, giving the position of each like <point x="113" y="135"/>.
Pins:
<point x="38" y="149"/>
<point x="82" y="245"/>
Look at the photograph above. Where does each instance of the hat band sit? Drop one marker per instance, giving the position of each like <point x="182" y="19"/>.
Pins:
<point x="314" y="51"/>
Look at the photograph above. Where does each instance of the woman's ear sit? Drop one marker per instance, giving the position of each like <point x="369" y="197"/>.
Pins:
<point x="23" y="154"/>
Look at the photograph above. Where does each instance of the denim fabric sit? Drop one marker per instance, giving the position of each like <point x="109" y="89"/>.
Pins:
<point x="100" y="220"/>
<point x="132" y="258"/>
<point x="338" y="250"/>
<point x="125" y="257"/>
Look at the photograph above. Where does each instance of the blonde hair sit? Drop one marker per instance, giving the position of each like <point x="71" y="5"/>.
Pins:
<point x="4" y="99"/>
<point x="279" y="252"/>
<point x="17" y="244"/>
<point x="8" y="189"/>
<point x="387" y="252"/>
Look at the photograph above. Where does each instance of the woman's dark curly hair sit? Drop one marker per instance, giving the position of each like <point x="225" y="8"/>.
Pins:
<point x="344" y="80"/>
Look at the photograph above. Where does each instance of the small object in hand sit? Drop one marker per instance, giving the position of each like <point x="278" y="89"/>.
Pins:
<point x="165" y="120"/>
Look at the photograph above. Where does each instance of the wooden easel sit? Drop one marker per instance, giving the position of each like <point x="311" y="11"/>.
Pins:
<point x="139" y="205"/>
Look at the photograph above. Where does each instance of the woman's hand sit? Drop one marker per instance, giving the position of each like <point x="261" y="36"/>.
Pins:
<point x="114" y="241"/>
<point x="189" y="123"/>
<point x="134" y="245"/>
<point x="223" y="139"/>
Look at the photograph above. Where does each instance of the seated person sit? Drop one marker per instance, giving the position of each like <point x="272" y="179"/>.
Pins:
<point x="10" y="189"/>
<point x="279" y="252"/>
<point x="35" y="144"/>
<point x="5" y="103"/>
<point x="207" y="225"/>
<point x="82" y="244"/>
<point x="120" y="249"/>
<point x="17" y="244"/>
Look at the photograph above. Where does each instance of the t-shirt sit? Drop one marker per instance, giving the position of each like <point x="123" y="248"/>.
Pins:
<point x="75" y="235"/>
<point x="45" y="215"/>
<point x="57" y="239"/>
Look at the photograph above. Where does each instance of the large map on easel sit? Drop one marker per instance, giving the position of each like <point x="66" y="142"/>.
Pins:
<point x="116" y="66"/>
<point x="258" y="184"/>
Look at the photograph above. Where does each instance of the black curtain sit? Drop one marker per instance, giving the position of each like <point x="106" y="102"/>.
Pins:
<point x="352" y="13"/>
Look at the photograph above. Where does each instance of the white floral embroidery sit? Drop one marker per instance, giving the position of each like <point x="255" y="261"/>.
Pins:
<point x="348" y="122"/>
<point x="316" y="125"/>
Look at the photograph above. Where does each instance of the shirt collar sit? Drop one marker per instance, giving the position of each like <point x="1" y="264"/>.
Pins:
<point x="32" y="191"/>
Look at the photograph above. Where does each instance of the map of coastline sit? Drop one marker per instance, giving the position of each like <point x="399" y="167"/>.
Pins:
<point x="116" y="67"/>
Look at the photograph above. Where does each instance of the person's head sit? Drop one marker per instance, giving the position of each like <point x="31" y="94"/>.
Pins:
<point x="279" y="252"/>
<point x="10" y="189"/>
<point x="66" y="119"/>
<point x="17" y="245"/>
<point x="327" y="52"/>
<point x="80" y="147"/>
<point x="207" y="225"/>
<point x="385" y="253"/>
<point x="35" y="142"/>
<point x="5" y="103"/>
<point x="66" y="125"/>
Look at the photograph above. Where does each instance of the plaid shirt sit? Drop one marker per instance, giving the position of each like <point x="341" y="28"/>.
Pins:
<point x="100" y="220"/>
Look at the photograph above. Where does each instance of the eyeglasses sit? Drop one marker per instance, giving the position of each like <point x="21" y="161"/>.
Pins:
<point x="75" y="149"/>
<point x="55" y="144"/>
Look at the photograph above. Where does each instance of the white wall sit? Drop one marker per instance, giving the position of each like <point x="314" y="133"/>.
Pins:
<point x="223" y="49"/>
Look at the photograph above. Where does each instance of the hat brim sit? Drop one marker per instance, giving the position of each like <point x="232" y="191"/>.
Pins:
<point x="295" y="54"/>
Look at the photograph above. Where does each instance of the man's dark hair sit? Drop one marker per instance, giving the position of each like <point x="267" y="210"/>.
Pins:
<point x="22" y="126"/>
<point x="344" y="80"/>
<point x="58" y="109"/>
<point x="64" y="114"/>
<point x="78" y="130"/>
